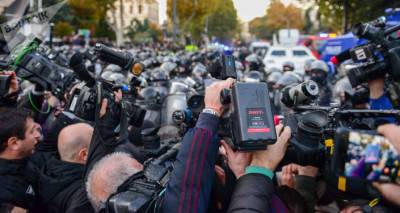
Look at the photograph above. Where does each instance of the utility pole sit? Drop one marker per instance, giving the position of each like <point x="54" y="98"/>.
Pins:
<point x="174" y="20"/>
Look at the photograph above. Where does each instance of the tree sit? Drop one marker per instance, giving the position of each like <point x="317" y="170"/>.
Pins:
<point x="63" y="28"/>
<point x="143" y="32"/>
<point x="340" y="15"/>
<point x="259" y="28"/>
<point x="103" y="30"/>
<point x="280" y="17"/>
<point x="309" y="26"/>
<point x="192" y="15"/>
<point x="89" y="13"/>
<point x="223" y="22"/>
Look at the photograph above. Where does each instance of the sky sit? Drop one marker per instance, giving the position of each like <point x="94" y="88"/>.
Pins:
<point x="246" y="9"/>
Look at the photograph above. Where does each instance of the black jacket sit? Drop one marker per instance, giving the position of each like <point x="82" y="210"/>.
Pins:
<point x="18" y="184"/>
<point x="253" y="193"/>
<point x="60" y="184"/>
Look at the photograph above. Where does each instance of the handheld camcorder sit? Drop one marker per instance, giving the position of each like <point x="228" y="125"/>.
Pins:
<point x="249" y="121"/>
<point x="301" y="94"/>
<point x="84" y="100"/>
<point x="380" y="56"/>
<point x="31" y="64"/>
<point x="144" y="190"/>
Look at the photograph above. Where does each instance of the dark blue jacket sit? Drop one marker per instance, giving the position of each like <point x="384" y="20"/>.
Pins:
<point x="189" y="189"/>
<point x="383" y="103"/>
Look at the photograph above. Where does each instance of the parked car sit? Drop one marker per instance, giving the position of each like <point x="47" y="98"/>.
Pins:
<point x="277" y="55"/>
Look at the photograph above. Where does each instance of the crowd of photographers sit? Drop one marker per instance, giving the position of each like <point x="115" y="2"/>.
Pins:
<point x="106" y="138"/>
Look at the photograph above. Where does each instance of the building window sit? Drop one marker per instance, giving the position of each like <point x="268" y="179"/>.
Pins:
<point x="131" y="9"/>
<point x="140" y="9"/>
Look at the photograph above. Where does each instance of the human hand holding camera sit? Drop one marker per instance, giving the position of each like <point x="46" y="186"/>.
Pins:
<point x="14" y="86"/>
<point x="290" y="171"/>
<point x="271" y="157"/>
<point x="237" y="161"/>
<point x="212" y="99"/>
<point x="376" y="88"/>
<point x="104" y="103"/>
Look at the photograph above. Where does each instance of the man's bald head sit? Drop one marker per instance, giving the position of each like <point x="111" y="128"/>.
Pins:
<point x="73" y="140"/>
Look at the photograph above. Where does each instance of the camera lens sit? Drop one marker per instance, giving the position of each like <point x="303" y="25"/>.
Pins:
<point x="310" y="128"/>
<point x="363" y="74"/>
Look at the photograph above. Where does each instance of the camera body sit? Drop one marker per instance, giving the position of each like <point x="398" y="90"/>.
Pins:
<point x="379" y="57"/>
<point x="31" y="64"/>
<point x="144" y="190"/>
<point x="301" y="94"/>
<point x="84" y="100"/>
<point x="251" y="120"/>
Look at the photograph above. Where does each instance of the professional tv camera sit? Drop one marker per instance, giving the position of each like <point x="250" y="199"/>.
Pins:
<point x="249" y="122"/>
<point x="143" y="191"/>
<point x="85" y="100"/>
<point x="31" y="63"/>
<point x="380" y="56"/>
<point x="313" y="126"/>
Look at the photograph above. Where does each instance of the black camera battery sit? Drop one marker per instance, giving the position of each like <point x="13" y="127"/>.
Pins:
<point x="253" y="123"/>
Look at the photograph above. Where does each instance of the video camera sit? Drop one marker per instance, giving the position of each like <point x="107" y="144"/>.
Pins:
<point x="301" y="94"/>
<point x="314" y="126"/>
<point x="144" y="190"/>
<point x="249" y="121"/>
<point x="378" y="57"/>
<point x="85" y="99"/>
<point x="30" y="63"/>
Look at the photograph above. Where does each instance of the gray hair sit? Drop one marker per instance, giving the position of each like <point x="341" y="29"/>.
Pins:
<point x="106" y="176"/>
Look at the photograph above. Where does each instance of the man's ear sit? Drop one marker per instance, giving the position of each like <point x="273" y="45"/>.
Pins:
<point x="83" y="154"/>
<point x="13" y="144"/>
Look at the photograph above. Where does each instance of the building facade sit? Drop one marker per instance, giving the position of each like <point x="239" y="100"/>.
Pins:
<point x="131" y="9"/>
<point x="126" y="10"/>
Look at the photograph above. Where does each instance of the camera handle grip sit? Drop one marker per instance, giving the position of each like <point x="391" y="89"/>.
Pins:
<point x="225" y="96"/>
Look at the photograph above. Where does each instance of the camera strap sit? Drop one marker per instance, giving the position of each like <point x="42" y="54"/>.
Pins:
<point x="123" y="133"/>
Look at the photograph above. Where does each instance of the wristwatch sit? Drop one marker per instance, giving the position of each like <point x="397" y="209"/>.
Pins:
<point x="211" y="111"/>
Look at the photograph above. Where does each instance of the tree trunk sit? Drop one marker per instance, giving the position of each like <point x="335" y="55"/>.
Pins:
<point x="346" y="16"/>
